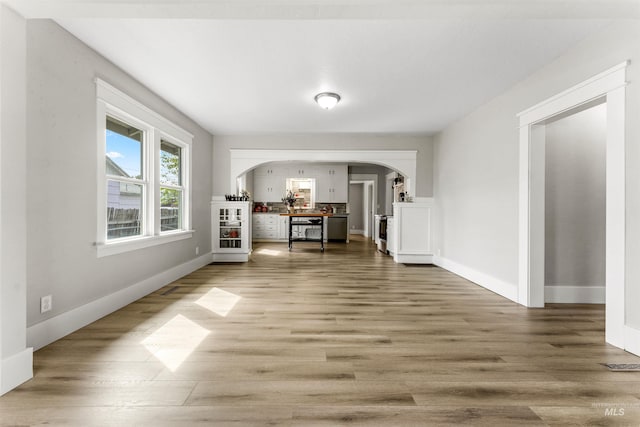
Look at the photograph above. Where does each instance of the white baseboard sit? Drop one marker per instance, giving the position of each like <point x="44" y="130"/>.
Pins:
<point x="574" y="294"/>
<point x="224" y="257"/>
<point x="52" y="329"/>
<point x="413" y="258"/>
<point x="354" y="231"/>
<point x="491" y="283"/>
<point x="632" y="340"/>
<point x="15" y="370"/>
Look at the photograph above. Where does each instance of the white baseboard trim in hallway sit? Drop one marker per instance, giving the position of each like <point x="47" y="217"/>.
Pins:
<point x="574" y="294"/>
<point x="53" y="329"/>
<point x="491" y="283"/>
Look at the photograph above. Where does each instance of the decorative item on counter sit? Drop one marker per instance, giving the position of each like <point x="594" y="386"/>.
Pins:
<point x="244" y="196"/>
<point x="329" y="208"/>
<point x="289" y="199"/>
<point x="264" y="208"/>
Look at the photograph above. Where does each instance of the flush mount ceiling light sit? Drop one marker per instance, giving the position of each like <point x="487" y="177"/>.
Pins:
<point x="327" y="100"/>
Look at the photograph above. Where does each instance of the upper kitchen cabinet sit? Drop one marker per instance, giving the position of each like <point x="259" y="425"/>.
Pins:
<point x="302" y="170"/>
<point x="332" y="184"/>
<point x="268" y="184"/>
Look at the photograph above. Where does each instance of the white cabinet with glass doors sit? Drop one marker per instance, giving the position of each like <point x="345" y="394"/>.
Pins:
<point x="230" y="229"/>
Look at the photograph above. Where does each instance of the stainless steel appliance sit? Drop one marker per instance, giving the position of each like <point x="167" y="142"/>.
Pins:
<point x="337" y="230"/>
<point x="382" y="234"/>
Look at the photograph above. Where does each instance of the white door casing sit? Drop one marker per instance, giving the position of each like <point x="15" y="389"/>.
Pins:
<point x="609" y="84"/>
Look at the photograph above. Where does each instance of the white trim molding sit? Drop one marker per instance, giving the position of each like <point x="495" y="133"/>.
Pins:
<point x="52" y="329"/>
<point x="126" y="245"/>
<point x="111" y="102"/>
<point x="493" y="284"/>
<point x="632" y="340"/>
<point x="610" y="86"/>
<point x="574" y="294"/>
<point x="403" y="161"/>
<point x="16" y="370"/>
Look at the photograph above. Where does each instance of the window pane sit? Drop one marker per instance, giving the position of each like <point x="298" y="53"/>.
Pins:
<point x="124" y="209"/>
<point x="124" y="149"/>
<point x="170" y="209"/>
<point x="170" y="165"/>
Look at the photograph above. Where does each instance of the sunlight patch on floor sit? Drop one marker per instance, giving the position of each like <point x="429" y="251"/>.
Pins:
<point x="218" y="301"/>
<point x="173" y="342"/>
<point x="269" y="252"/>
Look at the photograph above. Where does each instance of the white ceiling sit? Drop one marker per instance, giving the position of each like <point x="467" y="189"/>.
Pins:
<point x="258" y="72"/>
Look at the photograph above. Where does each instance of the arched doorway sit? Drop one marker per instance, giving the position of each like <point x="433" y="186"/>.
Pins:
<point x="403" y="161"/>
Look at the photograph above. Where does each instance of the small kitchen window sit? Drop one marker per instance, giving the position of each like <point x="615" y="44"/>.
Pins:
<point x="304" y="191"/>
<point x="143" y="168"/>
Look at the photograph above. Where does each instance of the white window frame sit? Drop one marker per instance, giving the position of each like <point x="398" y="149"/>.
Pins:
<point x="184" y="187"/>
<point x="113" y="102"/>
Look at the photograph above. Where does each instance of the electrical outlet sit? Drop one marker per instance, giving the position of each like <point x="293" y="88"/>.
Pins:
<point x="197" y="250"/>
<point x="46" y="304"/>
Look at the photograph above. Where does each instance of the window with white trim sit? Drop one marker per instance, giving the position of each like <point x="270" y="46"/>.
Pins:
<point x="143" y="175"/>
<point x="126" y="178"/>
<point x="171" y="188"/>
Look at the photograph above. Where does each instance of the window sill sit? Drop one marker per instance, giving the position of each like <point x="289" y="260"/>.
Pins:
<point x="122" y="246"/>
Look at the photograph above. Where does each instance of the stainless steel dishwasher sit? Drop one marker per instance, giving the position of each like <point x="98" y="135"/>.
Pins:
<point x="337" y="230"/>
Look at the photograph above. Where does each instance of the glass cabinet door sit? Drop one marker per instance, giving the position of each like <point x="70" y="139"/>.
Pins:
<point x="230" y="228"/>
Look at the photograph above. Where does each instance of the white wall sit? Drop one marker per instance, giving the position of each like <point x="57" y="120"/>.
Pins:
<point x="423" y="144"/>
<point x="15" y="357"/>
<point x="61" y="183"/>
<point x="476" y="163"/>
<point x="575" y="199"/>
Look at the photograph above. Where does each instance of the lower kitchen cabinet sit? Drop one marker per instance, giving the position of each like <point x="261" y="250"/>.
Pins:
<point x="410" y="232"/>
<point x="230" y="231"/>
<point x="266" y="226"/>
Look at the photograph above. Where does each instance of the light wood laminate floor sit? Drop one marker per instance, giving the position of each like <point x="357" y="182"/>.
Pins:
<point x="344" y="337"/>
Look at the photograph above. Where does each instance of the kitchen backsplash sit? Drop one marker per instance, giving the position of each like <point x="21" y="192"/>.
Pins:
<point x="281" y="207"/>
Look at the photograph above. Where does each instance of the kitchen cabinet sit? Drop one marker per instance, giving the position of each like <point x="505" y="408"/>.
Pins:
<point x="283" y="231"/>
<point x="412" y="233"/>
<point x="268" y="184"/>
<point x="302" y="171"/>
<point x="332" y="184"/>
<point x="332" y="181"/>
<point x="231" y="231"/>
<point x="266" y="226"/>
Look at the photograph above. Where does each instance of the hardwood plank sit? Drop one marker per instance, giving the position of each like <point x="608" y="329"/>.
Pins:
<point x="340" y="337"/>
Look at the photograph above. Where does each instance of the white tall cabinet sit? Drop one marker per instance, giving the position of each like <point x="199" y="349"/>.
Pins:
<point x="332" y="184"/>
<point x="269" y="183"/>
<point x="411" y="232"/>
<point x="230" y="231"/>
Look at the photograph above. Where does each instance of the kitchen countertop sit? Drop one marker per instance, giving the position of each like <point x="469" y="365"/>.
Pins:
<point x="306" y="214"/>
